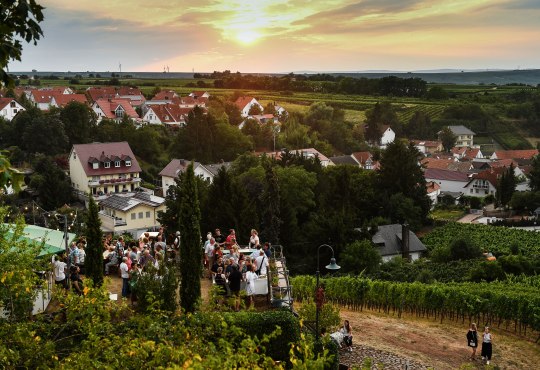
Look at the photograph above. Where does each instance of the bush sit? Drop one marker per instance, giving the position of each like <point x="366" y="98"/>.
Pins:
<point x="487" y="271"/>
<point x="360" y="256"/>
<point x="462" y="249"/>
<point x="257" y="324"/>
<point x="329" y="318"/>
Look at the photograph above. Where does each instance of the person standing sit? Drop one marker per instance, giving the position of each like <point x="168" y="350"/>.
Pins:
<point x="251" y="276"/>
<point x="59" y="271"/>
<point x="262" y="263"/>
<point x="124" y="273"/>
<point x="487" y="347"/>
<point x="472" y="340"/>
<point x="235" y="279"/>
<point x="209" y="255"/>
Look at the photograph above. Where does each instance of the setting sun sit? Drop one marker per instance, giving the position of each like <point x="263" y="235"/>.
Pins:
<point x="248" y="36"/>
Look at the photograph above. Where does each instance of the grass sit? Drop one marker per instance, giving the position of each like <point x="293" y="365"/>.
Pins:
<point x="447" y="214"/>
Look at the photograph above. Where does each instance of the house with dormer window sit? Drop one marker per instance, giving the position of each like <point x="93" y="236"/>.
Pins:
<point x="102" y="169"/>
<point x="114" y="109"/>
<point x="9" y="108"/>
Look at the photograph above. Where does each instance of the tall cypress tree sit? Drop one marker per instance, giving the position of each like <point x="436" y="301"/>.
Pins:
<point x="94" y="248"/>
<point x="271" y="200"/>
<point x="190" y="246"/>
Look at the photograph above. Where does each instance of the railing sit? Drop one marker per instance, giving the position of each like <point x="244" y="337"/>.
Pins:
<point x="280" y="289"/>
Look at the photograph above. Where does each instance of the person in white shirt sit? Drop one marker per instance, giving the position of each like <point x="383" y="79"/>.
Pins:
<point x="254" y="239"/>
<point x="262" y="263"/>
<point x="251" y="276"/>
<point x="124" y="273"/>
<point x="209" y="255"/>
<point x="82" y="257"/>
<point x="59" y="271"/>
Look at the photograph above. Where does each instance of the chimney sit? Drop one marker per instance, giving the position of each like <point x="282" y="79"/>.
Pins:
<point x="405" y="241"/>
<point x="182" y="162"/>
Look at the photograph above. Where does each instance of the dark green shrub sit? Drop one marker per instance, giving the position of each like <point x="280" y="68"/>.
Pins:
<point x="487" y="271"/>
<point x="256" y="324"/>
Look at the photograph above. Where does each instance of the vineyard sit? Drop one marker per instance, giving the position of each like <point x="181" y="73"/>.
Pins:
<point x="495" y="239"/>
<point x="507" y="305"/>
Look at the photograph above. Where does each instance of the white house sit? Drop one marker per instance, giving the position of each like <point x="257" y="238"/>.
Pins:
<point x="483" y="183"/>
<point x="176" y="166"/>
<point x="433" y="191"/>
<point x="9" y="108"/>
<point x="449" y="181"/>
<point x="134" y="213"/>
<point x="103" y="168"/>
<point x="245" y="103"/>
<point x="169" y="114"/>
<point x="114" y="109"/>
<point x="464" y="136"/>
<point x="365" y="160"/>
<point x="388" y="136"/>
<point x="394" y="240"/>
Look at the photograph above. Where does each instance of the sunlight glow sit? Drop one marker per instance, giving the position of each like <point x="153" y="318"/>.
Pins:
<point x="248" y="36"/>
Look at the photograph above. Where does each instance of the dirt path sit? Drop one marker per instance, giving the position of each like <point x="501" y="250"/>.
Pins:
<point x="441" y="346"/>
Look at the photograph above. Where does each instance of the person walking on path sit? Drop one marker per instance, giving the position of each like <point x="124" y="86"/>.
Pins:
<point x="124" y="273"/>
<point x="472" y="340"/>
<point x="487" y="347"/>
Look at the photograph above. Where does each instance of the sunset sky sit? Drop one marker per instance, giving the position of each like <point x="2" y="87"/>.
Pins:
<point x="285" y="35"/>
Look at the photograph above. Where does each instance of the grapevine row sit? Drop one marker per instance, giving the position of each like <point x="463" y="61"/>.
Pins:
<point x="486" y="303"/>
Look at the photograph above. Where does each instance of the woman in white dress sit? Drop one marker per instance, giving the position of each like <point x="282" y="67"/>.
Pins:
<point x="251" y="276"/>
<point x="254" y="239"/>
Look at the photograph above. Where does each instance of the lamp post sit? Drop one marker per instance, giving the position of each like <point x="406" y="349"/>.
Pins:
<point x="332" y="266"/>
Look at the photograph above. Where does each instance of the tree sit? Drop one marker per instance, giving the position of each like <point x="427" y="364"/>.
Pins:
<point x="52" y="138"/>
<point x="447" y="138"/>
<point x="506" y="186"/>
<point x="19" y="20"/>
<point x="94" y="248"/>
<point x="190" y="246"/>
<point x="360" y="256"/>
<point x="8" y="176"/>
<point x="419" y="126"/>
<point x="400" y="172"/>
<point x="51" y="182"/>
<point x="437" y="93"/>
<point x="79" y="123"/>
<point x="534" y="175"/>
<point x="271" y="200"/>
<point x="255" y="110"/>
<point x="18" y="264"/>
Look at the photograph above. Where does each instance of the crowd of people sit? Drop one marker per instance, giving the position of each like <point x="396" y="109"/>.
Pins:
<point x="231" y="269"/>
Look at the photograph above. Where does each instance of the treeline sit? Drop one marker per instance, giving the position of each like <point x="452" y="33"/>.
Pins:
<point x="502" y="304"/>
<point x="295" y="202"/>
<point x="385" y="86"/>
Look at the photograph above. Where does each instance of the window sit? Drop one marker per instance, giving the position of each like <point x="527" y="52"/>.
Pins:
<point x="128" y="163"/>
<point x="13" y="104"/>
<point x="133" y="216"/>
<point x="107" y="165"/>
<point x="147" y="214"/>
<point x="95" y="165"/>
<point x="140" y="214"/>
<point x="116" y="163"/>
<point x="119" y="113"/>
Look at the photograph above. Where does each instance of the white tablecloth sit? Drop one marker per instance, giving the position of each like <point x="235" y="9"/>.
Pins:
<point x="261" y="286"/>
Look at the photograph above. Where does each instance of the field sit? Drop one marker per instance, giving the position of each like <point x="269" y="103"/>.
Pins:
<point x="503" y="135"/>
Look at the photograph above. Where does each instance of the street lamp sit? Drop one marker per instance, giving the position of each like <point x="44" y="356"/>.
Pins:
<point x="332" y="266"/>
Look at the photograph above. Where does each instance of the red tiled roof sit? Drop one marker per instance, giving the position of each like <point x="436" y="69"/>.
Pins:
<point x="438" y="174"/>
<point x="128" y="90"/>
<point x="42" y="97"/>
<point x="503" y="163"/>
<point x="427" y="143"/>
<point x="439" y="163"/>
<point x="101" y="151"/>
<point x="242" y="101"/>
<point x="96" y="93"/>
<point x="175" y="166"/>
<point x="362" y="157"/>
<point x="492" y="175"/>
<point x="198" y="94"/>
<point x="170" y="113"/>
<point x="5" y="101"/>
<point x="516" y="154"/>
<point x="165" y="95"/>
<point x="109" y="107"/>
<point x="64" y="99"/>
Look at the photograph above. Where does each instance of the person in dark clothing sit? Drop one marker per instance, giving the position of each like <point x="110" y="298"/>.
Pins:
<point x="221" y="281"/>
<point x="76" y="281"/>
<point x="472" y="340"/>
<point x="220" y="238"/>
<point x="234" y="285"/>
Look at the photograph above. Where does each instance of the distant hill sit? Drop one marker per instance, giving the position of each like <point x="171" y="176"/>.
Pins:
<point x="498" y="77"/>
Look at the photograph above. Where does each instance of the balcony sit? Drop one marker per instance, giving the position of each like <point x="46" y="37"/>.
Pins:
<point x="119" y="180"/>
<point x="111" y="222"/>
